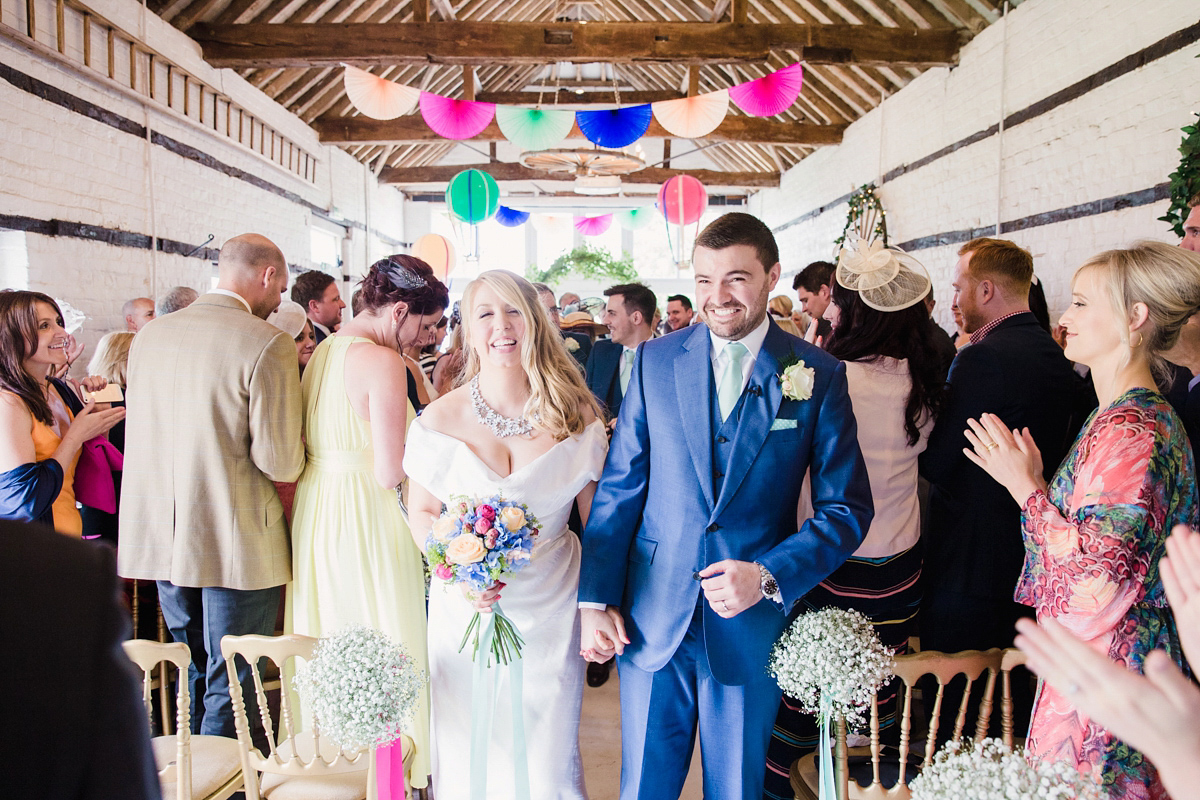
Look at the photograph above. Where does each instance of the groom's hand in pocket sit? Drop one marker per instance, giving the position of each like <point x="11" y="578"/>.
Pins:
<point x="601" y="634"/>
<point x="730" y="587"/>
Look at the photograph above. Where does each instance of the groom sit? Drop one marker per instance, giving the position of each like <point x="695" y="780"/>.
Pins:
<point x="691" y="557"/>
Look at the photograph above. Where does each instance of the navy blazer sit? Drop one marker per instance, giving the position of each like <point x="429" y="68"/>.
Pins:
<point x="604" y="374"/>
<point x="974" y="546"/>
<point x="655" y="520"/>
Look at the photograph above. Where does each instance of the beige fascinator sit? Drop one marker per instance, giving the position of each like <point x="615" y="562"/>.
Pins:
<point x="289" y="318"/>
<point x="885" y="278"/>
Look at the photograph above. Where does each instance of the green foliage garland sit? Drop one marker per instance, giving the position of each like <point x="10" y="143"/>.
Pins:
<point x="586" y="262"/>
<point x="1185" y="181"/>
<point x="866" y="216"/>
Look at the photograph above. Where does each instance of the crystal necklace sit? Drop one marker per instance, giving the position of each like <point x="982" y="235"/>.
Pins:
<point x="500" y="425"/>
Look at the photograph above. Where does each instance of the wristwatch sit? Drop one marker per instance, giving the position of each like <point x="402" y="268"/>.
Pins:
<point x="768" y="584"/>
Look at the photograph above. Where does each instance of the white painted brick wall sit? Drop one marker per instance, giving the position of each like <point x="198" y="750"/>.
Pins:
<point x="1119" y="138"/>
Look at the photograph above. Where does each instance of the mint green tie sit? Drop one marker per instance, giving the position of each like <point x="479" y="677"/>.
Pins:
<point x="731" y="383"/>
<point x="626" y="369"/>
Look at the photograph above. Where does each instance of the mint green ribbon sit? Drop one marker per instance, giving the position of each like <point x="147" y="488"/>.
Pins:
<point x="483" y="709"/>
<point x="827" y="786"/>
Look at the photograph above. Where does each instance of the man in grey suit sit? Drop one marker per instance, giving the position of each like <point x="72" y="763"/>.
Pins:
<point x="214" y="414"/>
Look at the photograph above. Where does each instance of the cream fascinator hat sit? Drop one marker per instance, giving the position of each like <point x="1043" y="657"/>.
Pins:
<point x="886" y="279"/>
<point x="289" y="318"/>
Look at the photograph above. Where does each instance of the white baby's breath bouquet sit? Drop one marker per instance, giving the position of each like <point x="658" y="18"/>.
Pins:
<point x="990" y="770"/>
<point x="361" y="687"/>
<point x="832" y="662"/>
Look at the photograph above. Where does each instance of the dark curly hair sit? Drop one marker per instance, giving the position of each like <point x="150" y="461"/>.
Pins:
<point x="406" y="279"/>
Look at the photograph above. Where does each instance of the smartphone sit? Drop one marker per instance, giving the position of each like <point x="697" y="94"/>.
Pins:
<point x="109" y="394"/>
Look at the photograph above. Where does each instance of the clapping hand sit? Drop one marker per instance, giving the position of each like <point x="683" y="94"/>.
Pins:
<point x="810" y="335"/>
<point x="1181" y="578"/>
<point x="1011" y="457"/>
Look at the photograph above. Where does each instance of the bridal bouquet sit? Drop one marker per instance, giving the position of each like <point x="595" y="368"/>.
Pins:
<point x="361" y="686"/>
<point x="989" y="770"/>
<point x="477" y="542"/>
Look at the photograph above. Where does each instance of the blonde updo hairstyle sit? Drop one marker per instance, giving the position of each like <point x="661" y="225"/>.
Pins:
<point x="111" y="360"/>
<point x="557" y="394"/>
<point x="1165" y="279"/>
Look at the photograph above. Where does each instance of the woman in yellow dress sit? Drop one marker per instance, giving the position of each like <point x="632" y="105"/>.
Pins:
<point x="353" y="559"/>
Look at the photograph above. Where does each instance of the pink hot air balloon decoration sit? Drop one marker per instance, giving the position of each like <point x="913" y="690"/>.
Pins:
<point x="682" y="200"/>
<point x="770" y="94"/>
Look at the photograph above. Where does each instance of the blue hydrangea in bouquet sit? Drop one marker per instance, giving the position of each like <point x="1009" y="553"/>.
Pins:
<point x="476" y="543"/>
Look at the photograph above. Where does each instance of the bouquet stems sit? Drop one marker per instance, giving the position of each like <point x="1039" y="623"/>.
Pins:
<point x="505" y="642"/>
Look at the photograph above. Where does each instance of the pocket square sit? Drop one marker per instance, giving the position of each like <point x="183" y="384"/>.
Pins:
<point x="783" y="425"/>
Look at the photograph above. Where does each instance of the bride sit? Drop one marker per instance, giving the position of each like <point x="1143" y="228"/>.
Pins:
<point x="523" y="425"/>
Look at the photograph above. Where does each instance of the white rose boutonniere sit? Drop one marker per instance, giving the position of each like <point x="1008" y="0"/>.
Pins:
<point x="797" y="381"/>
<point x="572" y="345"/>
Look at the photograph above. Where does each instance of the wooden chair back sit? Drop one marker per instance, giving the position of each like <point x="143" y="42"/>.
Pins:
<point x="1012" y="658"/>
<point x="293" y="753"/>
<point x="149" y="655"/>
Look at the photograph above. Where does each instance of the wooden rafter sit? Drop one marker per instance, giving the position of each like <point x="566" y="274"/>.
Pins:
<point x="311" y="44"/>
<point x="518" y="172"/>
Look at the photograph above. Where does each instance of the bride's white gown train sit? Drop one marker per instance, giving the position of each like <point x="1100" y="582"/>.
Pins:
<point x="540" y="600"/>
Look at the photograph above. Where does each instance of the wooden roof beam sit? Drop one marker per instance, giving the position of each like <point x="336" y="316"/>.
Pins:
<point x="751" y="130"/>
<point x="258" y="45"/>
<point x="518" y="172"/>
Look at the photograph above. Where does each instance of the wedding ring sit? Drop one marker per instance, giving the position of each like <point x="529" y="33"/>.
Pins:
<point x="724" y="606"/>
<point x="990" y="446"/>
<point x="1073" y="688"/>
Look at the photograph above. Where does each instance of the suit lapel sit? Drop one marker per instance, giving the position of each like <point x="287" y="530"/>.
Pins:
<point x="760" y="405"/>
<point x="694" y="400"/>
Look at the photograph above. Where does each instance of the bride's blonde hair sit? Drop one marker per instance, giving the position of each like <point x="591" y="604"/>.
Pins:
<point x="557" y="394"/>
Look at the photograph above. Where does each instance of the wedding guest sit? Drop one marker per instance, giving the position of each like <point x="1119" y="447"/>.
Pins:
<point x="629" y="316"/>
<point x="317" y="293"/>
<point x="450" y="364"/>
<point x="1038" y="305"/>
<point x="568" y="302"/>
<point x="291" y="319"/>
<point x="348" y="529"/>
<point x="110" y="362"/>
<point x="214" y="418"/>
<point x="1183" y="392"/>
<point x="679" y="312"/>
<point x="137" y="313"/>
<point x="1095" y="534"/>
<point x="894" y="376"/>
<point x="42" y="437"/>
<point x="942" y="340"/>
<point x="811" y="285"/>
<point x="176" y="298"/>
<point x="781" y="311"/>
<point x="579" y="345"/>
<point x="431" y="352"/>
<point x="1191" y="226"/>
<point x="973" y="549"/>
<point x="420" y="389"/>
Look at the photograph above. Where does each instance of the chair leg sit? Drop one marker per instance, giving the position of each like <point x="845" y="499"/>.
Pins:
<point x="164" y="696"/>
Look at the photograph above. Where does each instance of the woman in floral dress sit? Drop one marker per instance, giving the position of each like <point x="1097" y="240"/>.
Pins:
<point x="1094" y="537"/>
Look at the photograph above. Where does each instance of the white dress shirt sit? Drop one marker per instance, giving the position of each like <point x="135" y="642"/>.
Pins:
<point x="234" y="295"/>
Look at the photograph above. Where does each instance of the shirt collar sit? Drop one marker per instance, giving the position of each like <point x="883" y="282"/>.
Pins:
<point x="979" y="335"/>
<point x="316" y="324"/>
<point x="234" y="295"/>
<point x="752" y="340"/>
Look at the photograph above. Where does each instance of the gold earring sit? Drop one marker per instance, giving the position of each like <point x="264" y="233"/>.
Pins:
<point x="1140" y="340"/>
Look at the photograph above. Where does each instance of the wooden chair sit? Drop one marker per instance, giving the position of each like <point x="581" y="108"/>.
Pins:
<point x="909" y="669"/>
<point x="301" y="763"/>
<point x="200" y="767"/>
<point x="1012" y="658"/>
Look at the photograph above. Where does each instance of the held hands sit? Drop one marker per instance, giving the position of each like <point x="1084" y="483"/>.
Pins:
<point x="601" y="634"/>
<point x="1011" y="457"/>
<point x="483" y="601"/>
<point x="731" y="587"/>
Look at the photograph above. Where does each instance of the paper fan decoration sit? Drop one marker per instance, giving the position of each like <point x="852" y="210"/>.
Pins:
<point x="510" y="217"/>
<point x="455" y="119"/>
<point x="615" y="127"/>
<point x="770" y="94"/>
<point x="635" y="218"/>
<point x="376" y="97"/>
<point x="693" y="117"/>
<point x="593" y="226"/>
<point x="472" y="196"/>
<point x="682" y="200"/>
<point x="534" y="128"/>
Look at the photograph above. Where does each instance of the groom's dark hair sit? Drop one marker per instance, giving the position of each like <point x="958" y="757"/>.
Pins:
<point x="738" y="228"/>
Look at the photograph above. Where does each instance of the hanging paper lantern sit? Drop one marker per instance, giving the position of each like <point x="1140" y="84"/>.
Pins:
<point x="438" y="252"/>
<point x="534" y="128"/>
<point x="770" y="94"/>
<point x="472" y="196"/>
<point x="455" y="119"/>
<point x="615" y="127"/>
<point x="510" y="217"/>
<point x="593" y="226"/>
<point x="682" y="200"/>
<point x="693" y="117"/>
<point x="376" y="97"/>
<point x="635" y="218"/>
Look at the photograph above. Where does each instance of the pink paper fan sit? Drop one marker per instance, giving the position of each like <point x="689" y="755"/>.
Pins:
<point x="593" y="226"/>
<point x="693" y="117"/>
<point x="376" y="97"/>
<point x="770" y="94"/>
<point x="455" y="119"/>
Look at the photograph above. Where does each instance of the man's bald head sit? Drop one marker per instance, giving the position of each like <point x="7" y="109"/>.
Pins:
<point x="253" y="267"/>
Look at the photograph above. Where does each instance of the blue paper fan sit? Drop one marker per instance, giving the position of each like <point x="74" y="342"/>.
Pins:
<point x="510" y="217"/>
<point x="615" y="127"/>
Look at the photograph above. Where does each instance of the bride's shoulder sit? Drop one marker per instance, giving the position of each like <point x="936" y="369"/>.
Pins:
<point x="588" y="412"/>
<point x="447" y="413"/>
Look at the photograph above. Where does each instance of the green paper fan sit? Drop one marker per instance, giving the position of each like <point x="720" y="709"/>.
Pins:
<point x="534" y="128"/>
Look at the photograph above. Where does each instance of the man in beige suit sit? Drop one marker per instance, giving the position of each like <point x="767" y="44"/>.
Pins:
<point x="214" y="413"/>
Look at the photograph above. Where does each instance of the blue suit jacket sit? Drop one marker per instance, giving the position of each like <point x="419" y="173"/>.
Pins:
<point x="655" y="519"/>
<point x="603" y="373"/>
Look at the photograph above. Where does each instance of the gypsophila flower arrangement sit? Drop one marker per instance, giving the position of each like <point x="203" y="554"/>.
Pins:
<point x="361" y="688"/>
<point x="832" y="662"/>
<point x="990" y="770"/>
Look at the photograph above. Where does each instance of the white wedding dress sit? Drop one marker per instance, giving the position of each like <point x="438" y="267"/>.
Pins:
<point x="541" y="602"/>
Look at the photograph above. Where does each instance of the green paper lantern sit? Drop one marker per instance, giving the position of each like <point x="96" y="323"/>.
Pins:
<point x="472" y="196"/>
